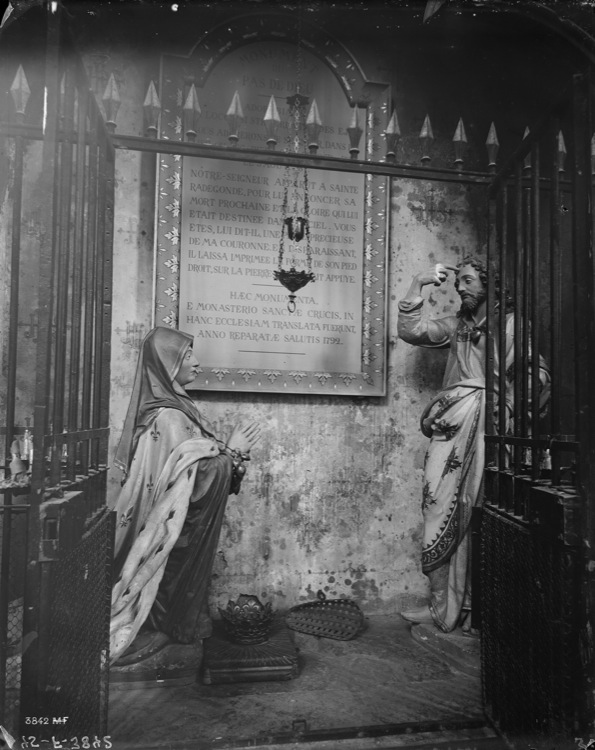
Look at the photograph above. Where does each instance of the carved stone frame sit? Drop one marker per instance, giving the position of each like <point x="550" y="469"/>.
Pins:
<point x="177" y="75"/>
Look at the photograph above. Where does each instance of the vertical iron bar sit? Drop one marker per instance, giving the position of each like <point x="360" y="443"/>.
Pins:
<point x="98" y="293"/>
<point x="518" y="315"/>
<point x="525" y="312"/>
<point x="89" y="291"/>
<point x="63" y="266"/>
<point x="556" y="303"/>
<point x="13" y="323"/>
<point x="110" y="163"/>
<point x="494" y="228"/>
<point x="535" y="312"/>
<point x="502" y="321"/>
<point x="77" y="278"/>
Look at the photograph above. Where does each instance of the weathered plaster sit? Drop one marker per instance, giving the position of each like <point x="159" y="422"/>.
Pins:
<point x="331" y="500"/>
<point x="332" y="496"/>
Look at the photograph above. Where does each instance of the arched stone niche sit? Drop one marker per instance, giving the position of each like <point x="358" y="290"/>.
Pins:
<point x="251" y="59"/>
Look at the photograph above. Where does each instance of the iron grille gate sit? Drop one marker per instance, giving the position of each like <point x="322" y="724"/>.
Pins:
<point x="537" y="519"/>
<point x="55" y="589"/>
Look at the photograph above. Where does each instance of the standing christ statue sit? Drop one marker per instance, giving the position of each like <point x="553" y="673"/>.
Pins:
<point x="454" y="421"/>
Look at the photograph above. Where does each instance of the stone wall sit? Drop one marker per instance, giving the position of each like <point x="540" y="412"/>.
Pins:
<point x="332" y="497"/>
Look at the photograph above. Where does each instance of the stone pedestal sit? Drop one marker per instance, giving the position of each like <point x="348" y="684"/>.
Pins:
<point x="227" y="662"/>
<point x="176" y="664"/>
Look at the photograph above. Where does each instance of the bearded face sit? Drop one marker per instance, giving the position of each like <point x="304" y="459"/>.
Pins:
<point x="470" y="288"/>
<point x="470" y="301"/>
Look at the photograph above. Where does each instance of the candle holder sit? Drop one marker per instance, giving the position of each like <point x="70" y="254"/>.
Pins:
<point x="247" y="620"/>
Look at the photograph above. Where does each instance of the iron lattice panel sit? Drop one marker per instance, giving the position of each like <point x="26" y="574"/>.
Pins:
<point x="529" y="634"/>
<point x="78" y="654"/>
<point x="13" y="561"/>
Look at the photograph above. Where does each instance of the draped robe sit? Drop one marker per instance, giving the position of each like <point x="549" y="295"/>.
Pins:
<point x="169" y="516"/>
<point x="453" y="470"/>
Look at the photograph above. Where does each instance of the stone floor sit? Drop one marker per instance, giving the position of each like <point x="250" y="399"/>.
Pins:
<point x="383" y="689"/>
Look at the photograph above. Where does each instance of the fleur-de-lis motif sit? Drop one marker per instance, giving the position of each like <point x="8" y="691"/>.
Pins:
<point x="247" y="374"/>
<point x="347" y="377"/>
<point x="174" y="207"/>
<point x="125" y="518"/>
<point x="272" y="375"/>
<point x="172" y="292"/>
<point x="173" y="264"/>
<point x="452" y="463"/>
<point x="369" y="252"/>
<point x="369" y="278"/>
<point x="368" y="331"/>
<point x="369" y="304"/>
<point x="427" y="496"/>
<point x="173" y="235"/>
<point x="297" y="376"/>
<point x="150" y="484"/>
<point x="220" y="373"/>
<point x="155" y="432"/>
<point x="447" y="429"/>
<point x="171" y="319"/>
<point x="367" y="357"/>
<point x="322" y="377"/>
<point x="175" y="181"/>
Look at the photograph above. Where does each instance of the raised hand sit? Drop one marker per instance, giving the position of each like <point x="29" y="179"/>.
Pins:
<point x="436" y="275"/>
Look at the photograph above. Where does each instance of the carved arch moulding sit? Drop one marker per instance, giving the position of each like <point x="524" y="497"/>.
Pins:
<point x="219" y="220"/>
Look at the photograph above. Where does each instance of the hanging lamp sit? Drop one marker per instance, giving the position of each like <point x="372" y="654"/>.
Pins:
<point x="295" y="226"/>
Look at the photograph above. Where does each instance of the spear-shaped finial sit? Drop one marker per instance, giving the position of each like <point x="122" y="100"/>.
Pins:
<point x="271" y="123"/>
<point x="426" y="136"/>
<point x="527" y="160"/>
<point x="313" y="127"/>
<point x="20" y="93"/>
<point x="460" y="143"/>
<point x="392" y="135"/>
<point x="191" y="114"/>
<point x="561" y="152"/>
<point x="234" y="116"/>
<point x="111" y="103"/>
<point x="152" y="109"/>
<point x="492" y="146"/>
<point x="355" y="133"/>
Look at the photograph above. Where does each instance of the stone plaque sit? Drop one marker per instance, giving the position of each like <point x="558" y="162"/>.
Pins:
<point x="229" y="299"/>
<point x="219" y="227"/>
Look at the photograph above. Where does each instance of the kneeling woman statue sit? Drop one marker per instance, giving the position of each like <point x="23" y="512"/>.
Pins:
<point x="177" y="478"/>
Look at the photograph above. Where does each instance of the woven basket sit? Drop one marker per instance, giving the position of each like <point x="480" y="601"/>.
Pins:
<point x="340" y="619"/>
